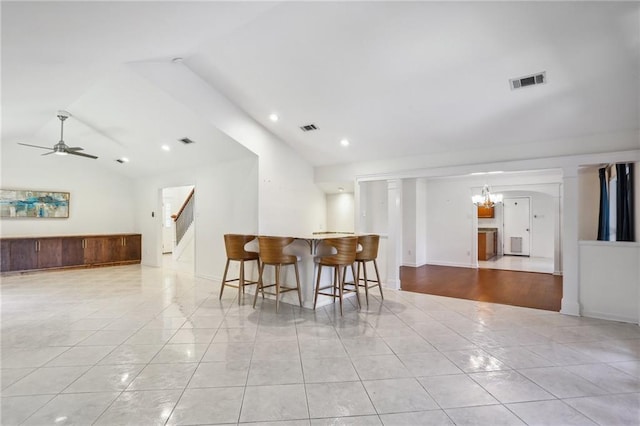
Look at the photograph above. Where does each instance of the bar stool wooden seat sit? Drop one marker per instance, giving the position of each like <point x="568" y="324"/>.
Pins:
<point x="345" y="257"/>
<point x="234" y="245"/>
<point x="369" y="253"/>
<point x="272" y="253"/>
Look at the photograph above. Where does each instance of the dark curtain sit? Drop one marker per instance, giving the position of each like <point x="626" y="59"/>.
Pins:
<point x="624" y="203"/>
<point x="603" y="217"/>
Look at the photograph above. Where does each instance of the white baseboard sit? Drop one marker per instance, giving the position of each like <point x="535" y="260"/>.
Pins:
<point x="454" y="264"/>
<point x="610" y="317"/>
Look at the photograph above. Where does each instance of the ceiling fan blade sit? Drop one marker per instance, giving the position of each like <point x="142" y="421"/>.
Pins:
<point x="81" y="154"/>
<point x="36" y="146"/>
<point x="75" y="148"/>
<point x="49" y="153"/>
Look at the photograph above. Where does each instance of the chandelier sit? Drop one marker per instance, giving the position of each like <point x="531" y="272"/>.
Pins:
<point x="487" y="199"/>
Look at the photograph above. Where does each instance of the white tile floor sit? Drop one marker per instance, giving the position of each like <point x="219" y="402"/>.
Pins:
<point x="519" y="263"/>
<point x="142" y="346"/>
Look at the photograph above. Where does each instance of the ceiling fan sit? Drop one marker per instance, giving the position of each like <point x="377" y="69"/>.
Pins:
<point x="62" y="148"/>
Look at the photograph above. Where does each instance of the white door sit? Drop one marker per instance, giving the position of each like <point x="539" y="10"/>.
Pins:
<point x="517" y="226"/>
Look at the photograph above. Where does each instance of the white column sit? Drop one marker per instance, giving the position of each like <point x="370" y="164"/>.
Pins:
<point x="557" y="235"/>
<point x="421" y="221"/>
<point x="357" y="208"/>
<point x="569" y="219"/>
<point x="394" y="243"/>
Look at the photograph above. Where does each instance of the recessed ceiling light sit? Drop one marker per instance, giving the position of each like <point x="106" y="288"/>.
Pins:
<point x="125" y="159"/>
<point x="341" y="189"/>
<point x="344" y="142"/>
<point x="273" y="117"/>
<point x="166" y="148"/>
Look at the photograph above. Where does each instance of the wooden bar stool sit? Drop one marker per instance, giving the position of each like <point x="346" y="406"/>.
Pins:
<point x="369" y="253"/>
<point x="345" y="257"/>
<point x="272" y="253"/>
<point x="234" y="245"/>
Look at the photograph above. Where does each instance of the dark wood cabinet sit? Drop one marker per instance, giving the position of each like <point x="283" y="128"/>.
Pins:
<point x="133" y="247"/>
<point x="49" y="253"/>
<point x="24" y="254"/>
<point x="72" y="251"/>
<point x="5" y="258"/>
<point x="102" y="249"/>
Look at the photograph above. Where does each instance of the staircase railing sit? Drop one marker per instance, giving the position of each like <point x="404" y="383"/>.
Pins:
<point x="184" y="217"/>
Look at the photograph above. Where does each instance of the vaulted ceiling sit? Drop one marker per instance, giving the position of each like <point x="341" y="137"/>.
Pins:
<point x="394" y="78"/>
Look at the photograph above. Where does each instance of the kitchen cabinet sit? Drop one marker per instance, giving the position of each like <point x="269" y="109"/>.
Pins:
<point x="25" y="254"/>
<point x="485" y="212"/>
<point x="487" y="243"/>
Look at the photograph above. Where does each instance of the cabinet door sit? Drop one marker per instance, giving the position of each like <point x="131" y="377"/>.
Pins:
<point x="113" y="249"/>
<point x="5" y="255"/>
<point x="482" y="246"/>
<point x="23" y="254"/>
<point x="103" y="249"/>
<point x="72" y="251"/>
<point x="49" y="253"/>
<point x="132" y="247"/>
<point x="485" y="212"/>
<point x="92" y="249"/>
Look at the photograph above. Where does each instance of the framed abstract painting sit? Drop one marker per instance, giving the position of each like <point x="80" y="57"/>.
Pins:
<point x="18" y="203"/>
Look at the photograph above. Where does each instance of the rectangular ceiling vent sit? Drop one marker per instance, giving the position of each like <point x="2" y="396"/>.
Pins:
<point x="186" y="141"/>
<point x="530" y="80"/>
<point x="308" y="127"/>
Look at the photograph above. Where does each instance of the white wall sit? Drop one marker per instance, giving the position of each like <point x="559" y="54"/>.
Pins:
<point x="100" y="202"/>
<point x="608" y="285"/>
<point x="290" y="203"/>
<point x="340" y="212"/>
<point x="450" y="227"/>
<point x="414" y="222"/>
<point x="373" y="207"/>
<point x="226" y="202"/>
<point x="542" y="225"/>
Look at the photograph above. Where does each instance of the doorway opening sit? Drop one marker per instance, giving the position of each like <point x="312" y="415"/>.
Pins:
<point x="522" y="235"/>
<point x="178" y="228"/>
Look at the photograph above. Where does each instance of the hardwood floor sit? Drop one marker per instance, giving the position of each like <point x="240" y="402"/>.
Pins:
<point x="528" y="289"/>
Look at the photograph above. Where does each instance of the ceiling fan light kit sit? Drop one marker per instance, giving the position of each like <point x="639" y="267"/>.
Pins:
<point x="62" y="148"/>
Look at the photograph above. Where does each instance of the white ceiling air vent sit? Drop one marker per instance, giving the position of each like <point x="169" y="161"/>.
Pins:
<point x="530" y="80"/>
<point x="308" y="127"/>
<point x="186" y="141"/>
